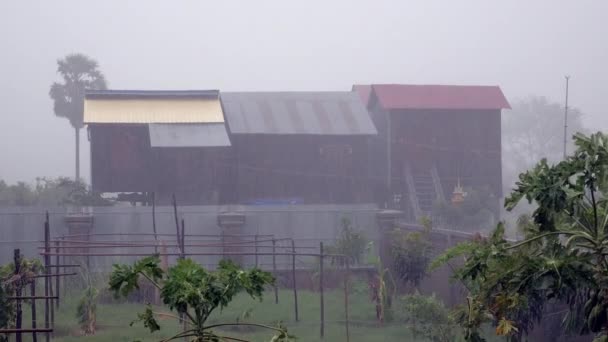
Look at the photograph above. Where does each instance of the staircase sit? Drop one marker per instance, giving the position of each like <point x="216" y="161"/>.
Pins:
<point x="424" y="189"/>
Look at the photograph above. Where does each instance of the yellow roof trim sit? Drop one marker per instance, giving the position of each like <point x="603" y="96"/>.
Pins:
<point x="182" y="110"/>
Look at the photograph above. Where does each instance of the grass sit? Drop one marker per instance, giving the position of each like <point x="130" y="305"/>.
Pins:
<point x="113" y="320"/>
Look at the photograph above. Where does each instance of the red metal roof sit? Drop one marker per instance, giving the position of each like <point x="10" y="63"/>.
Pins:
<point x="407" y="96"/>
<point x="364" y="91"/>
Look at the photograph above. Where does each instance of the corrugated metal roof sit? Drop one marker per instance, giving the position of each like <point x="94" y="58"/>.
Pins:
<point x="408" y="96"/>
<point x="364" y="91"/>
<point x="188" y="135"/>
<point x="320" y="113"/>
<point x="137" y="106"/>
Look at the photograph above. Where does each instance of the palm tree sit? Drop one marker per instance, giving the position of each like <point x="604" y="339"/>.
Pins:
<point x="79" y="72"/>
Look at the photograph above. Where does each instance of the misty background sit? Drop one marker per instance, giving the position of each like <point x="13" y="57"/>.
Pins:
<point x="525" y="47"/>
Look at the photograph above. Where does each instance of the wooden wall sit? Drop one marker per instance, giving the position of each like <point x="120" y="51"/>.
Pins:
<point x="313" y="169"/>
<point x="463" y="144"/>
<point x="123" y="161"/>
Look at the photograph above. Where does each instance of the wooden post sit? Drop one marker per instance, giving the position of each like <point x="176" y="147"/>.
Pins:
<point x="274" y="270"/>
<point x="33" y="294"/>
<point x="176" y="221"/>
<point x="18" y="316"/>
<point x="51" y="290"/>
<point x="182" y="242"/>
<point x="47" y="279"/>
<point x="164" y="258"/>
<point x="293" y="276"/>
<point x="256" y="250"/>
<point x="183" y="317"/>
<point x="321" y="289"/>
<point x="51" y="294"/>
<point x="156" y="290"/>
<point x="346" y="322"/>
<point x="154" y="222"/>
<point x="57" y="270"/>
<point x="63" y="262"/>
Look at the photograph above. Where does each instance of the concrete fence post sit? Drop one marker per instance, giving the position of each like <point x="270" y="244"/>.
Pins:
<point x="79" y="227"/>
<point x="232" y="224"/>
<point x="387" y="221"/>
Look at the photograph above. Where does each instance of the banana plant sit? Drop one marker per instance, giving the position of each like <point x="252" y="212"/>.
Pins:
<point x="382" y="286"/>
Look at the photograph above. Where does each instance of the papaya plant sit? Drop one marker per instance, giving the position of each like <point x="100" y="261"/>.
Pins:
<point x="562" y="260"/>
<point x="195" y="293"/>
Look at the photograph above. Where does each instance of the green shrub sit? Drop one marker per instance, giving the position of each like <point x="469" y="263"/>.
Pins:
<point x="427" y="317"/>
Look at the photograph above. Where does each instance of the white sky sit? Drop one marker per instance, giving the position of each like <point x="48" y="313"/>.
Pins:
<point x="524" y="46"/>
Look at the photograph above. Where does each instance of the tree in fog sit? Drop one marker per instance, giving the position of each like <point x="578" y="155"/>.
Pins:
<point x="78" y="72"/>
<point x="533" y="130"/>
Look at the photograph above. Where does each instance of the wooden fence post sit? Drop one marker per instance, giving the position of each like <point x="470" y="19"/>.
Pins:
<point x="321" y="289"/>
<point x="274" y="269"/>
<point x="51" y="294"/>
<point x="63" y="262"/>
<point x="154" y="222"/>
<point x="33" y="293"/>
<point x="293" y="276"/>
<point x="57" y="270"/>
<point x="179" y="240"/>
<point x="18" y="315"/>
<point x="183" y="256"/>
<point x="346" y="320"/>
<point x="47" y="279"/>
<point x="256" y="250"/>
<point x="183" y="240"/>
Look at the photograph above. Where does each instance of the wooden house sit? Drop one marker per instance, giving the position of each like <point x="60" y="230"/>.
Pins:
<point x="299" y="147"/>
<point x="430" y="137"/>
<point x="166" y="142"/>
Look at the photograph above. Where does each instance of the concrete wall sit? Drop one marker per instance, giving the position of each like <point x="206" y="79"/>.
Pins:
<point x="23" y="227"/>
<point x="307" y="224"/>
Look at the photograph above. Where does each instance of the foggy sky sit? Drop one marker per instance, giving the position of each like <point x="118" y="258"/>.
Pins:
<point x="524" y="46"/>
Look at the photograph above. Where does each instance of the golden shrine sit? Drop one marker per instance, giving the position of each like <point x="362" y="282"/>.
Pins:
<point x="458" y="195"/>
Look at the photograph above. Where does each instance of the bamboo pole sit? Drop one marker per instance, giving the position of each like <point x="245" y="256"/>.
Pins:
<point x="195" y="253"/>
<point x="54" y="275"/>
<point x="97" y="244"/>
